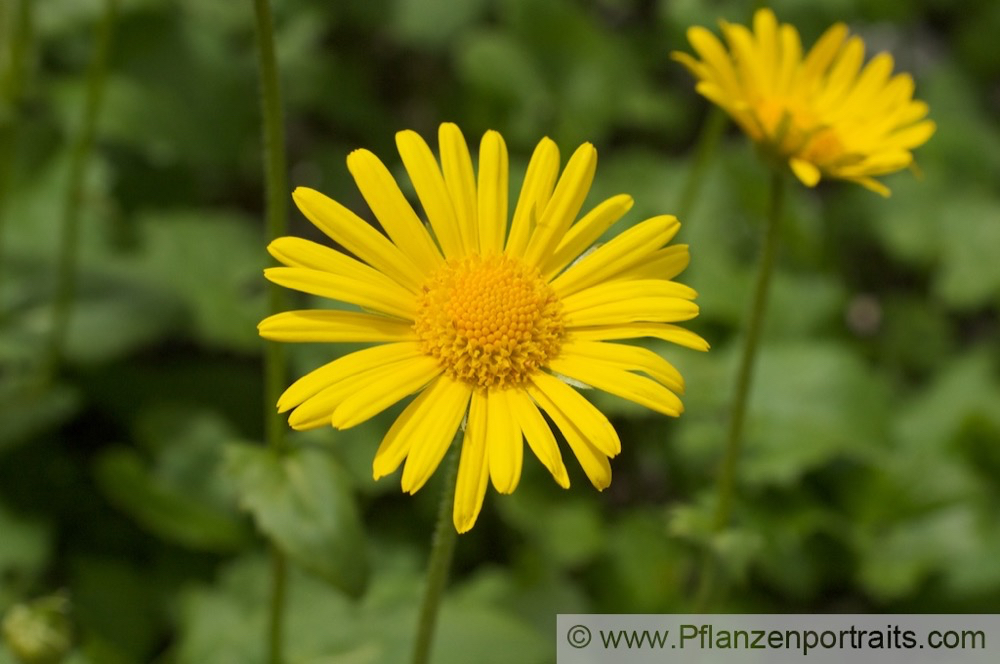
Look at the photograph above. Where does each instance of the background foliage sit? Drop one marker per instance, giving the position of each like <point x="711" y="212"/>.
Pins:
<point x="127" y="482"/>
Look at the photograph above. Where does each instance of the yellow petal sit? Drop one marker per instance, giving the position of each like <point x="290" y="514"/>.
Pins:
<point x="622" y="291"/>
<point x="666" y="263"/>
<point x="593" y="461"/>
<point x="322" y="325"/>
<point x="348" y="365"/>
<point x="765" y="28"/>
<point x="586" y="232"/>
<point x="873" y="185"/>
<point x="377" y="395"/>
<point x="791" y="59"/>
<point x="745" y="55"/>
<point x="607" y="377"/>
<point x="445" y="409"/>
<point x="536" y="190"/>
<point x="473" y="467"/>
<point x="538" y="434"/>
<point x="354" y="234"/>
<point x="492" y="193"/>
<point x="419" y="416"/>
<point x="504" y="446"/>
<point x="665" y="331"/>
<point x="583" y="413"/>
<point x="716" y="57"/>
<point x="912" y="136"/>
<point x="456" y="165"/>
<point x="316" y="411"/>
<point x="843" y="73"/>
<point x="562" y="208"/>
<point x="392" y="209"/>
<point x="822" y="53"/>
<point x="621" y="253"/>
<point x="297" y="252"/>
<point x="805" y="171"/>
<point x="639" y="309"/>
<point x="382" y="297"/>
<point x="872" y="81"/>
<point x="627" y="358"/>
<point x="431" y="190"/>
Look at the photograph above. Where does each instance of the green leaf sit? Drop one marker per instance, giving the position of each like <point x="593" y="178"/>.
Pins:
<point x="225" y="622"/>
<point x="116" y="321"/>
<point x="165" y="509"/>
<point x="24" y="551"/>
<point x="811" y="404"/>
<point x="433" y="23"/>
<point x="970" y="276"/>
<point x="304" y="502"/>
<point x="211" y="261"/>
<point x="898" y="558"/>
<point x="735" y="547"/>
<point x="28" y="408"/>
<point x="566" y="529"/>
<point x="646" y="575"/>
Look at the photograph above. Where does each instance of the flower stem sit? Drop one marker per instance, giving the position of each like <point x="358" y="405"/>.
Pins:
<point x="15" y="36"/>
<point x="726" y="484"/>
<point x="442" y="549"/>
<point x="279" y="584"/>
<point x="708" y="139"/>
<point x="277" y="221"/>
<point x="62" y="305"/>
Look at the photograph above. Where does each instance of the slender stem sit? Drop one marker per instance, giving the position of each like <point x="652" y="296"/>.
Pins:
<point x="279" y="583"/>
<point x="442" y="549"/>
<point x="708" y="139"/>
<point x="16" y="37"/>
<point x="726" y="484"/>
<point x="79" y="158"/>
<point x="277" y="222"/>
<point x="277" y="210"/>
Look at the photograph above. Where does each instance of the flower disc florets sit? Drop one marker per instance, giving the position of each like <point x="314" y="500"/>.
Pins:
<point x="490" y="321"/>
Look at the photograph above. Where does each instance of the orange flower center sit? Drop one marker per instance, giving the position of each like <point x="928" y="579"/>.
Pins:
<point x="490" y="321"/>
<point x="794" y="130"/>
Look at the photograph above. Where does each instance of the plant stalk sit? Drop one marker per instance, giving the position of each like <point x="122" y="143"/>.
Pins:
<point x="276" y="188"/>
<point x="726" y="483"/>
<point x="442" y="551"/>
<point x="708" y="140"/>
<point x="66" y="267"/>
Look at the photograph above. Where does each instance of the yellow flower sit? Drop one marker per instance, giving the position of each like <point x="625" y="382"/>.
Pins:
<point x="824" y="114"/>
<point x="484" y="322"/>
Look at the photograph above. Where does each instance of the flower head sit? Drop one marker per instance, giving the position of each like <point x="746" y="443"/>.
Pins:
<point x="482" y="321"/>
<point x="823" y="114"/>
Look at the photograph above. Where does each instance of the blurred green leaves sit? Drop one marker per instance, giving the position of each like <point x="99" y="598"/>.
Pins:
<point x="179" y="498"/>
<point x="303" y="501"/>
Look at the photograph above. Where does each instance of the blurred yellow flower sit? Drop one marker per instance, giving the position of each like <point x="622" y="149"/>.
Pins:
<point x="485" y="322"/>
<point x="823" y="114"/>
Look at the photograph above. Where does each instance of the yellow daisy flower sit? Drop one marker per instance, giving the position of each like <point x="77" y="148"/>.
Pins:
<point x="488" y="324"/>
<point x="823" y="114"/>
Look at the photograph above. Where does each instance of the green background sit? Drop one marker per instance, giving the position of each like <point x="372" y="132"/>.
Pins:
<point x="871" y="475"/>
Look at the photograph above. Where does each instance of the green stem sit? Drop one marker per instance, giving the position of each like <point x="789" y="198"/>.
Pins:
<point x="279" y="585"/>
<point x="16" y="37"/>
<point x="442" y="550"/>
<point x="79" y="157"/>
<point x="708" y="139"/>
<point x="277" y="222"/>
<point x="726" y="485"/>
